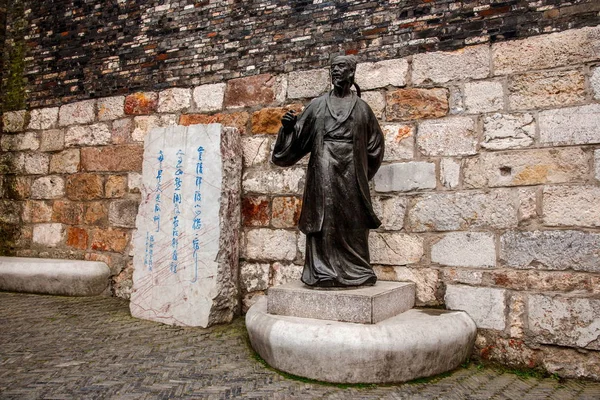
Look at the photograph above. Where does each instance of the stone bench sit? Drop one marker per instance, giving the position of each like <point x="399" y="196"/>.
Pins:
<point x="50" y="276"/>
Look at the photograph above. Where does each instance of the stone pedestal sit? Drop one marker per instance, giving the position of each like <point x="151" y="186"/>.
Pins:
<point x="401" y="347"/>
<point x="186" y="243"/>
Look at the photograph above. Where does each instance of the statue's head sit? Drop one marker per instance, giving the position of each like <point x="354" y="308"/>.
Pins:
<point x="342" y="70"/>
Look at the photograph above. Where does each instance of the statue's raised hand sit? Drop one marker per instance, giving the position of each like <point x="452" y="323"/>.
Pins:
<point x="289" y="120"/>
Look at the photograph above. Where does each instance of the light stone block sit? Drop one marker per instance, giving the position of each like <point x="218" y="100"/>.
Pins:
<point x="52" y="140"/>
<point x="307" y="84"/>
<point x="465" y="249"/>
<point x="528" y="167"/>
<point x="426" y="280"/>
<point x="255" y="150"/>
<point x="571" y="206"/>
<point x="394" y="248"/>
<point x="48" y="187"/>
<point x="597" y="164"/>
<point x="362" y="305"/>
<point x="570" y="47"/>
<point x="551" y="250"/>
<point x="564" y="321"/>
<point x="65" y="162"/>
<point x="546" y="89"/>
<point x="405" y="177"/>
<point x="471" y="62"/>
<point x="186" y="241"/>
<point x="464" y="210"/>
<point x="14" y="121"/>
<point x="36" y="163"/>
<point x="595" y="83"/>
<point x="50" y="235"/>
<point x="528" y="204"/>
<point x="19" y="142"/>
<point x="89" y="135"/>
<point x="209" y="97"/>
<point x="254" y="276"/>
<point x="482" y="97"/>
<point x="174" y="100"/>
<point x="399" y="142"/>
<point x="134" y="182"/>
<point x="268" y="244"/>
<point x="508" y="131"/>
<point x="485" y="305"/>
<point x="284" y="273"/>
<point x="454" y="136"/>
<point x="450" y="173"/>
<point x="277" y="181"/>
<point x="570" y="126"/>
<point x="82" y="112"/>
<point x="43" y="118"/>
<point x="391" y="211"/>
<point x="111" y="108"/>
<point x="375" y="100"/>
<point x="143" y="125"/>
<point x="381" y="74"/>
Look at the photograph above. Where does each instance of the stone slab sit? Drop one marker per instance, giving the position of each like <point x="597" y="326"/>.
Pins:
<point x="363" y="305"/>
<point x="52" y="276"/>
<point x="186" y="245"/>
<point x="411" y="345"/>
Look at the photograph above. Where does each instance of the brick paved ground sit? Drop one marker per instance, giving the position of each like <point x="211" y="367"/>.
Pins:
<point x="90" y="348"/>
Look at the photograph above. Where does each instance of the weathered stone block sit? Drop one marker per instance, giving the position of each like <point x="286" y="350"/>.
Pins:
<point x="286" y="212"/>
<point x="546" y="89"/>
<point x="564" y="321"/>
<point x="174" y="100"/>
<point x="122" y="130"/>
<point x="52" y="140"/>
<point x="508" y="131"/>
<point x="280" y="181"/>
<point x="546" y="51"/>
<point x="141" y="103"/>
<point x="96" y="213"/>
<point x="405" y="177"/>
<point x="308" y="84"/>
<point x="528" y="209"/>
<point x="122" y="213"/>
<point x="82" y="112"/>
<point x="381" y="74"/>
<point x="19" y="187"/>
<point x="187" y="240"/>
<point x="256" y="150"/>
<point x="411" y="104"/>
<point x="440" y="67"/>
<point x="268" y="120"/>
<point x="48" y="187"/>
<point x="395" y="248"/>
<point x="36" y="163"/>
<point x="257" y="90"/>
<point x="391" y="211"/>
<point x="143" y="125"/>
<point x="465" y="249"/>
<point x="134" y="182"/>
<point x="115" y="186"/>
<point x="528" y="167"/>
<point x="209" y="97"/>
<point x="15" y="121"/>
<point x="19" y="142"/>
<point x="463" y="210"/>
<point x="462" y="275"/>
<point x="112" y="158"/>
<point x="237" y="120"/>
<point x="65" y="162"/>
<point x="267" y="244"/>
<point x="34" y="212"/>
<point x="109" y="239"/>
<point x="255" y="211"/>
<point x="595" y="83"/>
<point x="85" y="187"/>
<point x="485" y="305"/>
<point x="111" y="108"/>
<point x="597" y="164"/>
<point x="571" y="206"/>
<point x="43" y="118"/>
<point x="67" y="212"/>
<point x="10" y="212"/>
<point x="447" y="137"/>
<point x="254" y="276"/>
<point x="284" y="273"/>
<point x="485" y="96"/>
<point x="399" y="142"/>
<point x="553" y="250"/>
<point x="375" y="100"/>
<point x="90" y="135"/>
<point x="425" y="279"/>
<point x="450" y="173"/>
<point x="569" y="126"/>
<point x="50" y="235"/>
<point x="77" y="238"/>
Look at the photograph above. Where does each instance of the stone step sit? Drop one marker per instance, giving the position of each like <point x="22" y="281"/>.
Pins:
<point x="364" y="305"/>
<point x="51" y="276"/>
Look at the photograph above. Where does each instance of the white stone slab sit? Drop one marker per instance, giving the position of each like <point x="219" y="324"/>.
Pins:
<point x="186" y="243"/>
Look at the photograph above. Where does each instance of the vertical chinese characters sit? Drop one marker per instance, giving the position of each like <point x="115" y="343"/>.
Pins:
<point x="197" y="222"/>
<point x="149" y="255"/>
<point x="177" y="183"/>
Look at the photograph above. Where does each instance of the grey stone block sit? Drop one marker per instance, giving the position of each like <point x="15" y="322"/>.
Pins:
<point x="365" y="305"/>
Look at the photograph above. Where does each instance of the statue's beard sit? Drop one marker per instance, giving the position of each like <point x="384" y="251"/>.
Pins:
<point x="341" y="81"/>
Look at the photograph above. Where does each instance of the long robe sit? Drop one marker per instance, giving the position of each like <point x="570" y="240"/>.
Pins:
<point x="337" y="213"/>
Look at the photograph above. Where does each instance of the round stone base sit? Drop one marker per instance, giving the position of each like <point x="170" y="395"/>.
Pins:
<point x="414" y="344"/>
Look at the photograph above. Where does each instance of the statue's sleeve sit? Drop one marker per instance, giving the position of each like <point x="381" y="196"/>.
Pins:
<point x="291" y="146"/>
<point x="375" y="146"/>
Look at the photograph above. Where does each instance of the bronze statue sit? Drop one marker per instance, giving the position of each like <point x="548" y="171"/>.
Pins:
<point x="346" y="144"/>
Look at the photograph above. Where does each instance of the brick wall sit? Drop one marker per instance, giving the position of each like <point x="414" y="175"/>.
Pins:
<point x="88" y="49"/>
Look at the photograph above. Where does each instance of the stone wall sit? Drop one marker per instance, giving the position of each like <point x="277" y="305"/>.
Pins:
<point x="85" y="49"/>
<point x="488" y="193"/>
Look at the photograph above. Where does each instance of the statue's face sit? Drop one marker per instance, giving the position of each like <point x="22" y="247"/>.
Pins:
<point x="341" y="73"/>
